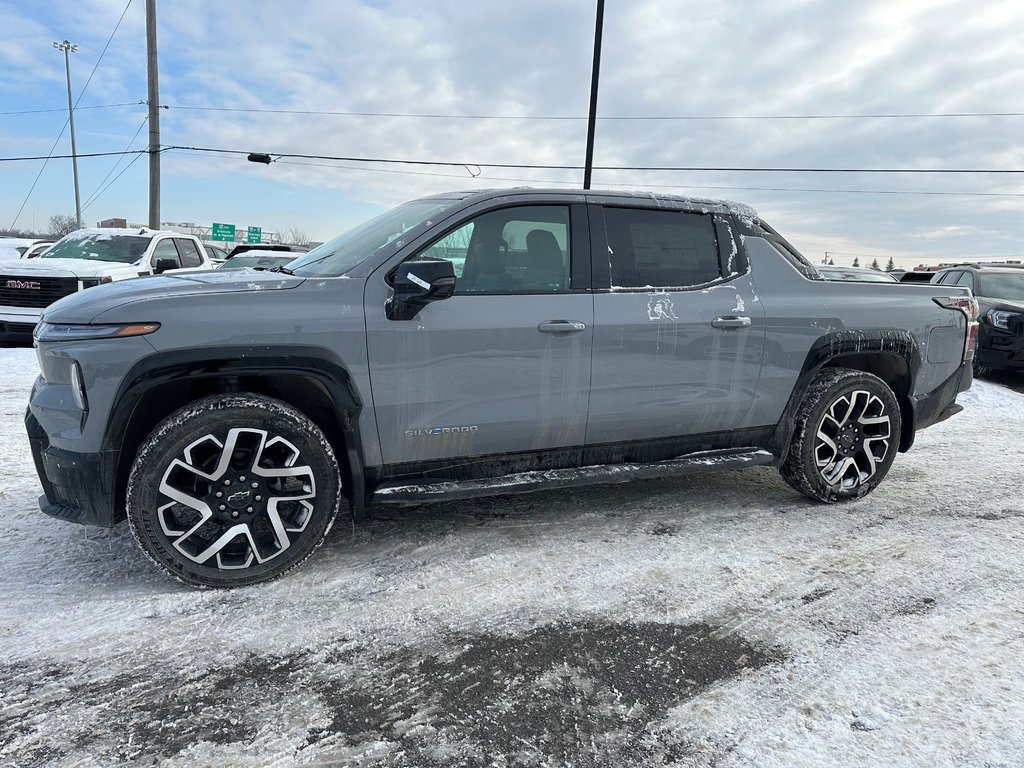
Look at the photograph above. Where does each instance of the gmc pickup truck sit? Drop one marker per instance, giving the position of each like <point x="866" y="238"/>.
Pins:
<point x="476" y="343"/>
<point x="84" y="259"/>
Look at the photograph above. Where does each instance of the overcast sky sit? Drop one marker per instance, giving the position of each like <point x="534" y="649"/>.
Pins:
<point x="733" y="64"/>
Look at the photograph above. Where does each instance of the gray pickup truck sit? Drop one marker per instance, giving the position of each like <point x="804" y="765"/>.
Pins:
<point x="476" y="343"/>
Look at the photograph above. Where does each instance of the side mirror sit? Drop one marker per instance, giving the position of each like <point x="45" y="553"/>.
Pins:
<point x="418" y="282"/>
<point x="162" y="265"/>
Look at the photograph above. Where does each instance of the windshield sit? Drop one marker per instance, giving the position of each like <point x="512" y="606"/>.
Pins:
<point x="252" y="260"/>
<point x="338" y="256"/>
<point x="1002" y="285"/>
<point x="100" y="246"/>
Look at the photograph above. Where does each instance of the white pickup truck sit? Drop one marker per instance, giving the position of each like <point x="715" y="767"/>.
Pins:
<point x="83" y="259"/>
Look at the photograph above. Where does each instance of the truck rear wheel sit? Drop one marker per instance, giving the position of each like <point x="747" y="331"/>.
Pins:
<point x="846" y="437"/>
<point x="233" y="490"/>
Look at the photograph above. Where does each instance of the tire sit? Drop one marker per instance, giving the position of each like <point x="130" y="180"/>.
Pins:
<point x="846" y="437"/>
<point x="243" y="464"/>
<point x="980" y="371"/>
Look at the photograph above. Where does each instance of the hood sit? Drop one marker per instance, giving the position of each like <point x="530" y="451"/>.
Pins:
<point x="1006" y="305"/>
<point x="84" y="306"/>
<point x="43" y="267"/>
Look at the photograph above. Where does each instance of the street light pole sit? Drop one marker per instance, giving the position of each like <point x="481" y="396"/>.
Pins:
<point x="68" y="47"/>
<point x="594" y="78"/>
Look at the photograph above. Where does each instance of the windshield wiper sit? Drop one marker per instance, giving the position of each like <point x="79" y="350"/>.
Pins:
<point x="283" y="270"/>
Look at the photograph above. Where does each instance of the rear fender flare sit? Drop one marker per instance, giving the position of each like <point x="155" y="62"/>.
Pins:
<point x="856" y="346"/>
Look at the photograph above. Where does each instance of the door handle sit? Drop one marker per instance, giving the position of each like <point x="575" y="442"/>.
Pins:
<point x="731" y="321"/>
<point x="561" y="326"/>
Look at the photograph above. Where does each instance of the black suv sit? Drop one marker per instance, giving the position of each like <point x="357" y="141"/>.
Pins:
<point x="999" y="289"/>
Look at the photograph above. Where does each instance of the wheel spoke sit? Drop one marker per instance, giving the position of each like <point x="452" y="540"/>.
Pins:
<point x="838" y="471"/>
<point x="218" y="544"/>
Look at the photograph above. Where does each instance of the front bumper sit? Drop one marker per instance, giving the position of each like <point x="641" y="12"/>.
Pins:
<point x="999" y="349"/>
<point x="78" y="487"/>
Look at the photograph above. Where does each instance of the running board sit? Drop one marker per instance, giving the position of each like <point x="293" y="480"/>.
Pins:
<point x="525" y="482"/>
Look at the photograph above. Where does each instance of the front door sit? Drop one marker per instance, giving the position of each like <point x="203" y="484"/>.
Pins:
<point x="503" y="365"/>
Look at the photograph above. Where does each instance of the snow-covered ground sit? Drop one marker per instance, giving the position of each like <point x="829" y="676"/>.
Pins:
<point x="715" y="621"/>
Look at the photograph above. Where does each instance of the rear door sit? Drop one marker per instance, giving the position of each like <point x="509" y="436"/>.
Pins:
<point x="679" y="332"/>
<point x="503" y="365"/>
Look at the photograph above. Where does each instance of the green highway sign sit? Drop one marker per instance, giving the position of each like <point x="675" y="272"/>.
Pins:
<point x="223" y="232"/>
<point x="255" y="235"/>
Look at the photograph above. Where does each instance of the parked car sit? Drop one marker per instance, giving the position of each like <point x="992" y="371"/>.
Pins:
<point x="21" y="247"/>
<point x="258" y="260"/>
<point x="474" y="343"/>
<point x="84" y="259"/>
<point x="861" y="274"/>
<point x="999" y="289"/>
<point x="216" y="253"/>
<point x="274" y="247"/>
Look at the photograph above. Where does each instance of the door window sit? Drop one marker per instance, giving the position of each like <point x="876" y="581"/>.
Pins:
<point x="165" y="250"/>
<point x="189" y="253"/>
<point x="661" y="249"/>
<point x="524" y="249"/>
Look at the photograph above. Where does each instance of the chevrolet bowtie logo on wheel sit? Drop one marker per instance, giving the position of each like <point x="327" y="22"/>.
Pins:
<point x="29" y="285"/>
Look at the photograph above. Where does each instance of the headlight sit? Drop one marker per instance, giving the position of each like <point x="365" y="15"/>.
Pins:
<point x="92" y="282"/>
<point x="81" y="332"/>
<point x="1000" y="319"/>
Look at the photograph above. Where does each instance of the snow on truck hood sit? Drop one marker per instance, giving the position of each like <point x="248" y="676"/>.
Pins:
<point x="84" y="306"/>
<point x="42" y="267"/>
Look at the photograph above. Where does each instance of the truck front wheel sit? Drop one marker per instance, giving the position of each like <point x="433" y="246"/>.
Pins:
<point x="846" y="436"/>
<point x="233" y="490"/>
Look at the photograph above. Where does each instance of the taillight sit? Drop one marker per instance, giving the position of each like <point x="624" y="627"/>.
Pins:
<point x="969" y="306"/>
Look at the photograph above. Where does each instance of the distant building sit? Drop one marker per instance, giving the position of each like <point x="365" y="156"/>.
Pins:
<point x="113" y="224"/>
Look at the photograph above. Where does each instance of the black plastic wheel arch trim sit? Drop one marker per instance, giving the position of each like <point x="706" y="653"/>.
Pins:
<point x="234" y="362"/>
<point x="840" y="344"/>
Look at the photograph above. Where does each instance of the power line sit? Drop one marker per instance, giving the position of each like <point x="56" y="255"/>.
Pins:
<point x="102" y="53"/>
<point x="99" y="194"/>
<point x="113" y="168"/>
<point x="80" y="95"/>
<point x="549" y="167"/>
<point x="77" y="108"/>
<point x="439" y="116"/>
<point x="36" y="180"/>
<point x="572" y="182"/>
<point x="66" y="157"/>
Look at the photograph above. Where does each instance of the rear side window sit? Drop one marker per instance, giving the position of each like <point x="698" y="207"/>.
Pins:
<point x="661" y="249"/>
<point x="966" y="279"/>
<point x="189" y="253"/>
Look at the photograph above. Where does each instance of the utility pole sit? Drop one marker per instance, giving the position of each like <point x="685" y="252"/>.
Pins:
<point x="594" y="76"/>
<point x="68" y="47"/>
<point x="153" y="99"/>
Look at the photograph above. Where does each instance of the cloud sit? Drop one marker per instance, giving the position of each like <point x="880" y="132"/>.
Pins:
<point x="532" y="58"/>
